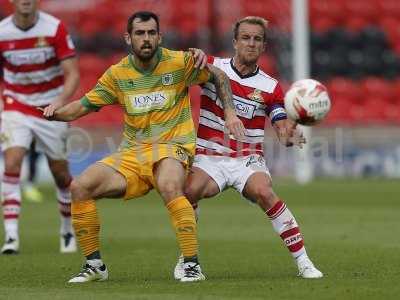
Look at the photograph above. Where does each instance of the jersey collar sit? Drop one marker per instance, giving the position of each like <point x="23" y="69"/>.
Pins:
<point x="146" y="72"/>
<point x="244" y="76"/>
<point x="30" y="27"/>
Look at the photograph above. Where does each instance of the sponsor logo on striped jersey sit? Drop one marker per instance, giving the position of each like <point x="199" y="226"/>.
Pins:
<point x="149" y="101"/>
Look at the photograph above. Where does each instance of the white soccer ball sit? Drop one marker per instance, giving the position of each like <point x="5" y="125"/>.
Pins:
<point x="307" y="102"/>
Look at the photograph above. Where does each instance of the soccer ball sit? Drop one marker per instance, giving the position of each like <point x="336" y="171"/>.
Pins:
<point x="307" y="102"/>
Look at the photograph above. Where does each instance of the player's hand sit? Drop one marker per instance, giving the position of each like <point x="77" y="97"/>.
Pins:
<point x="200" y="58"/>
<point x="49" y="111"/>
<point x="297" y="139"/>
<point x="288" y="134"/>
<point x="234" y="126"/>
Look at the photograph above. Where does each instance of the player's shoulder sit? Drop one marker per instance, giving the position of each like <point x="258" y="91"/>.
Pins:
<point x="266" y="77"/>
<point x="6" y="22"/>
<point x="48" y="19"/>
<point x="173" y="55"/>
<point x="220" y="62"/>
<point x="260" y="80"/>
<point x="174" y="59"/>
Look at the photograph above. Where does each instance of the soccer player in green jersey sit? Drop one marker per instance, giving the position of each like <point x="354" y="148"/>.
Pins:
<point x="151" y="84"/>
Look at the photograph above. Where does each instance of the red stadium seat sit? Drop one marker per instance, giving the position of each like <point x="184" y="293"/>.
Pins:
<point x="377" y="87"/>
<point x="396" y="91"/>
<point x="326" y="9"/>
<point x="391" y="27"/>
<point x="374" y="110"/>
<point x="267" y="64"/>
<point x="339" y="88"/>
<point x="392" y="113"/>
<point x="356" y="23"/>
<point x="340" y="112"/>
<point x="389" y="8"/>
<point x="322" y="24"/>
<point x="92" y="65"/>
<point x="367" y="10"/>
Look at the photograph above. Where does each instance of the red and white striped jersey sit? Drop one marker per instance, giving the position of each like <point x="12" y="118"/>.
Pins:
<point x="32" y="74"/>
<point x="255" y="96"/>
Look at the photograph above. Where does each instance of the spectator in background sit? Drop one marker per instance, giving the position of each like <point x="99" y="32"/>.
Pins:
<point x="39" y="68"/>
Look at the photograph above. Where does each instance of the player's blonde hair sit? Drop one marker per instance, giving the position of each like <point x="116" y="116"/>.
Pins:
<point x="251" y="20"/>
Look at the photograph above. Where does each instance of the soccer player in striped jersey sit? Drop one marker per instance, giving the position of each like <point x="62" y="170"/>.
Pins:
<point x="39" y="68"/>
<point x="223" y="161"/>
<point x="151" y="84"/>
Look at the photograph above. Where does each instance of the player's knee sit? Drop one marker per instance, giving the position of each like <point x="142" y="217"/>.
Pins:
<point x="12" y="165"/>
<point x="12" y="168"/>
<point x="170" y="189"/>
<point x="78" y="191"/>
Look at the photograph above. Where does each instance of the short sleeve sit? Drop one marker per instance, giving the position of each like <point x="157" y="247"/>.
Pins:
<point x="104" y="93"/>
<point x="278" y="95"/>
<point x="64" y="45"/>
<point x="194" y="75"/>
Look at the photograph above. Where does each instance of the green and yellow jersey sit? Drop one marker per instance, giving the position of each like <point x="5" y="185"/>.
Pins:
<point x="156" y="102"/>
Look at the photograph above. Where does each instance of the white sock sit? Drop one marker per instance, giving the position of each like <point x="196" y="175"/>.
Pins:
<point x="286" y="226"/>
<point x="64" y="205"/>
<point x="11" y="202"/>
<point x="97" y="263"/>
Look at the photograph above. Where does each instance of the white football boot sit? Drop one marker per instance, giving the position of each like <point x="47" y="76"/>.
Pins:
<point x="68" y="243"/>
<point x="192" y="272"/>
<point x="11" y="246"/>
<point x="307" y="269"/>
<point x="90" y="273"/>
<point x="179" y="270"/>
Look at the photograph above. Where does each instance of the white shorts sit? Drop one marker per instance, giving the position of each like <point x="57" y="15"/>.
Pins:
<point x="231" y="171"/>
<point x="19" y="130"/>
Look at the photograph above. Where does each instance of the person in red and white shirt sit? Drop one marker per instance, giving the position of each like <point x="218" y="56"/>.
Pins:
<point x="223" y="161"/>
<point x="39" y="69"/>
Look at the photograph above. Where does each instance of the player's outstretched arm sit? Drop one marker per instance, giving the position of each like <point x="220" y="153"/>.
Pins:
<point x="69" y="112"/>
<point x="224" y="91"/>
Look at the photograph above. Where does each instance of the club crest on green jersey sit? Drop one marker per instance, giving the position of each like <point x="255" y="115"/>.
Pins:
<point x="167" y="79"/>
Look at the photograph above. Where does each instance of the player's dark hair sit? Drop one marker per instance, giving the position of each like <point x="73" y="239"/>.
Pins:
<point x="251" y="20"/>
<point x="143" y="16"/>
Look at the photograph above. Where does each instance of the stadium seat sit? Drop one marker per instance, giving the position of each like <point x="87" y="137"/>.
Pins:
<point x="390" y="8"/>
<point x="340" y="111"/>
<point x="375" y="110"/>
<point x="356" y="23"/>
<point x="367" y="10"/>
<point x="267" y="63"/>
<point x="322" y="24"/>
<point x="92" y="65"/>
<point x="329" y="9"/>
<point x="379" y="88"/>
<point x="342" y="88"/>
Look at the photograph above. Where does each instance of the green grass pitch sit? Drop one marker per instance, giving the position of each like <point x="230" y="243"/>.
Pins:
<point x="351" y="230"/>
